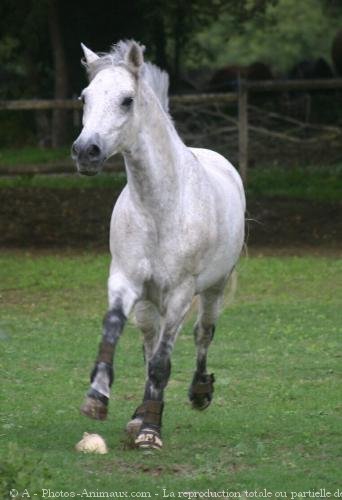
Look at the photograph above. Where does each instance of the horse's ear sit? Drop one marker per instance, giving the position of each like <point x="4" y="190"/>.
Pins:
<point x="134" y="57"/>
<point x="89" y="55"/>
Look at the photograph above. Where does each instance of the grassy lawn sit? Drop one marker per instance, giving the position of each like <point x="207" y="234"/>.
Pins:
<point x="275" y="422"/>
<point x="32" y="155"/>
<point x="308" y="183"/>
<point x="320" y="183"/>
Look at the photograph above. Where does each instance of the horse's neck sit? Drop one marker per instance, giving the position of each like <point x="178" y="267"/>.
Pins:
<point x="154" y="162"/>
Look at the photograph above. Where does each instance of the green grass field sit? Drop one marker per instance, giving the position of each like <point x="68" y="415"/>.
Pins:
<point x="32" y="155"/>
<point x="275" y="422"/>
<point x="319" y="183"/>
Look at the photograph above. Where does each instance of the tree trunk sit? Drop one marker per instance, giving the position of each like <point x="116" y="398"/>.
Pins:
<point x="160" y="39"/>
<point x="177" y="50"/>
<point x="179" y="40"/>
<point x="59" y="117"/>
<point x="42" y="120"/>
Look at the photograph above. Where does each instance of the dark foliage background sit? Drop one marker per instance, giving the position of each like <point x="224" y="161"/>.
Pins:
<point x="40" y="46"/>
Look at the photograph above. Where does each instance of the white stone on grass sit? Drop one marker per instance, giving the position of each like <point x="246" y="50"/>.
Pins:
<point x="92" y="443"/>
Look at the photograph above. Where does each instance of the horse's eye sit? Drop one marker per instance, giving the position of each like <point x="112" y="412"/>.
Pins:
<point x="126" y="102"/>
<point x="81" y="98"/>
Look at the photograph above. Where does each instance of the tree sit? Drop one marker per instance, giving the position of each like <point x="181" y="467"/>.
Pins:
<point x="280" y="33"/>
<point x="25" y="43"/>
<point x="176" y="23"/>
<point x="61" y="80"/>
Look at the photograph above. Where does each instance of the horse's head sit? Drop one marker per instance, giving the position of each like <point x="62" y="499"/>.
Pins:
<point x="109" y="104"/>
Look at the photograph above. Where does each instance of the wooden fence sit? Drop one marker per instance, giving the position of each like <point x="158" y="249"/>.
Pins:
<point x="240" y="97"/>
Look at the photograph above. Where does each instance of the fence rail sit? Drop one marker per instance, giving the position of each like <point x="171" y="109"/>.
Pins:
<point x="44" y="104"/>
<point x="240" y="96"/>
<point x="287" y="85"/>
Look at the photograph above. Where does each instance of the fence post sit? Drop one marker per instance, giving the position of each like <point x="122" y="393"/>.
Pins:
<point x="243" y="130"/>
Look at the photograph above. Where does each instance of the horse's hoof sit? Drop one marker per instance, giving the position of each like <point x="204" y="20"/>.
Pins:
<point x="148" y="439"/>
<point x="200" y="403"/>
<point x="201" y="392"/>
<point x="94" y="408"/>
<point x="133" y="427"/>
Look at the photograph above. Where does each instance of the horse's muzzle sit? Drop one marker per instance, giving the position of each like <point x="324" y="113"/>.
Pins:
<point x="89" y="156"/>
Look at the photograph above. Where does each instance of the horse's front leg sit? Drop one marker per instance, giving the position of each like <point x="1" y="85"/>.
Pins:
<point x="159" y="368"/>
<point x="122" y="297"/>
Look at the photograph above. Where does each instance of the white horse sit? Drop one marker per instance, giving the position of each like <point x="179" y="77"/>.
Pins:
<point x="177" y="229"/>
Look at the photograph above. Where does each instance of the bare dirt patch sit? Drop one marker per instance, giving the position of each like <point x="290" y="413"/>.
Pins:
<point x="43" y="218"/>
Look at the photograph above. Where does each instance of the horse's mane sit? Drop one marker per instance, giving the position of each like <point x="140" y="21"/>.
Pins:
<point x="154" y="76"/>
<point x="159" y="82"/>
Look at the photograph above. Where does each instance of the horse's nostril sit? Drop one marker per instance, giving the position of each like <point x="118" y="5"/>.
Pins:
<point x="94" y="151"/>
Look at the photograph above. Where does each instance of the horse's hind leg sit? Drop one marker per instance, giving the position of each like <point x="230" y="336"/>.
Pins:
<point x="147" y="319"/>
<point x="202" y="385"/>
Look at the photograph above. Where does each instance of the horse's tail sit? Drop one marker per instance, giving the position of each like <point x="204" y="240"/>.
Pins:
<point x="230" y="290"/>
